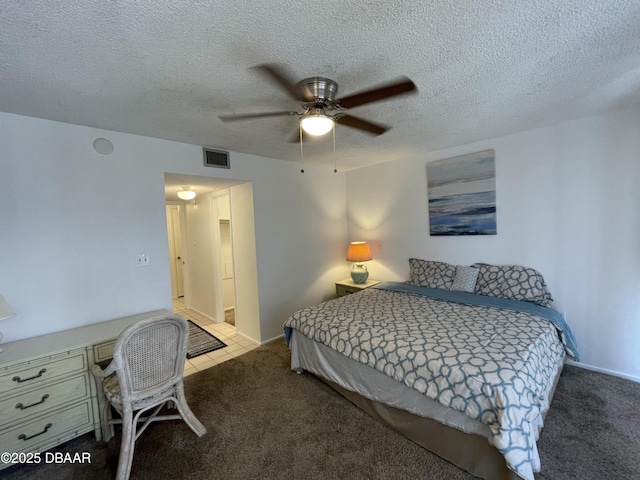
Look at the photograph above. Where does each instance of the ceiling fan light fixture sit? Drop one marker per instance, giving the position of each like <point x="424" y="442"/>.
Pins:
<point x="316" y="124"/>
<point x="186" y="193"/>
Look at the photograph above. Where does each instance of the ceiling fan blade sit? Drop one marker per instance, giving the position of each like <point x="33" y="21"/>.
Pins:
<point x="280" y="76"/>
<point x="360" y="124"/>
<point x="379" y="93"/>
<point x="250" y="116"/>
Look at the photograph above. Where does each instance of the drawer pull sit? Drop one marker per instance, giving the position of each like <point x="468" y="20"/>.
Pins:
<point x="20" y="380"/>
<point x="22" y="407"/>
<point x="25" y="438"/>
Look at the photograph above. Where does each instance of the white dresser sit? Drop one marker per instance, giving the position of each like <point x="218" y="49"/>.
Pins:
<point x="47" y="394"/>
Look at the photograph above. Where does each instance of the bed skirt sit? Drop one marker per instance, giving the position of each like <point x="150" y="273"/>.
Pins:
<point x="470" y="452"/>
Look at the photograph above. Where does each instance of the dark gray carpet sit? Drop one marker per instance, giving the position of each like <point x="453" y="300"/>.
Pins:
<point x="267" y="422"/>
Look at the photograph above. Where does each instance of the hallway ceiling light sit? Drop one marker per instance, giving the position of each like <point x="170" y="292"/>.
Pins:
<point x="186" y="193"/>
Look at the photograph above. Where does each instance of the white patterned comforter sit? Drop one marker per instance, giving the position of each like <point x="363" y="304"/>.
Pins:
<point x="496" y="366"/>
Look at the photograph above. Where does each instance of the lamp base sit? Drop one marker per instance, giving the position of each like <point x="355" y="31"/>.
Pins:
<point x="359" y="274"/>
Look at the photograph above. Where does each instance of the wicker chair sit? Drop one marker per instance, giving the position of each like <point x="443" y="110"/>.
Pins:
<point x="146" y="372"/>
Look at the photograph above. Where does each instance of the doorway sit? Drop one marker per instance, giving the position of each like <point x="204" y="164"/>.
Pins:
<point x="176" y="261"/>
<point x="203" y="271"/>
<point x="203" y="226"/>
<point x="193" y="236"/>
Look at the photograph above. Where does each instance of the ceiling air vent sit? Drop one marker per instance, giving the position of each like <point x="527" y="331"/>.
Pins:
<point x="215" y="158"/>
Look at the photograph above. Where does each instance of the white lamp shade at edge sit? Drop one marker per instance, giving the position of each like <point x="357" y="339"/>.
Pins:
<point x="6" y="312"/>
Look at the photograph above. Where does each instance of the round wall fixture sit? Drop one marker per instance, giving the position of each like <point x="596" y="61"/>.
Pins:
<point x="103" y="146"/>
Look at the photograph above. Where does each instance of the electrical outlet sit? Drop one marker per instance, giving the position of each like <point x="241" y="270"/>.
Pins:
<point x="142" y="260"/>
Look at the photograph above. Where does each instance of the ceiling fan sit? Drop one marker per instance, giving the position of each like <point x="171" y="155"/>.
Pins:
<point x="317" y="96"/>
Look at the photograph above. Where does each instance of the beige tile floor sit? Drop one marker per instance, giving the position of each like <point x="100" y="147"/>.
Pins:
<point x="236" y="344"/>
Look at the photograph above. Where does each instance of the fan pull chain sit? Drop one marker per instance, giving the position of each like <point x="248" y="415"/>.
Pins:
<point x="335" y="170"/>
<point x="301" y="149"/>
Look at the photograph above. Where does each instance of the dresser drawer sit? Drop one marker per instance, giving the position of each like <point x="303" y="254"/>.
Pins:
<point x="30" y="403"/>
<point x="342" y="290"/>
<point x="103" y="351"/>
<point x="47" y="429"/>
<point x="33" y="374"/>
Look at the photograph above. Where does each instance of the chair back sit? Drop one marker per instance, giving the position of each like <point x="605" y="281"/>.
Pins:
<point x="150" y="356"/>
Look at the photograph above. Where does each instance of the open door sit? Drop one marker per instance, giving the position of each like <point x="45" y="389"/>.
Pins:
<point x="176" y="257"/>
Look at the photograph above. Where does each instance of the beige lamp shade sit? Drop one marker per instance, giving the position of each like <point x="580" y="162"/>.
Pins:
<point x="359" y="252"/>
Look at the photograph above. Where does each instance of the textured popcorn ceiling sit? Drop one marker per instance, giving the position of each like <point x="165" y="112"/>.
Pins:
<point x="168" y="68"/>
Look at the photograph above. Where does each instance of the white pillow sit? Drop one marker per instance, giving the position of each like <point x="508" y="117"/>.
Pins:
<point x="465" y="279"/>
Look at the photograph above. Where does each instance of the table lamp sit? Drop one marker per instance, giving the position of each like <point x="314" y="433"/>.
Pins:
<point x="359" y="252"/>
<point x="6" y="312"/>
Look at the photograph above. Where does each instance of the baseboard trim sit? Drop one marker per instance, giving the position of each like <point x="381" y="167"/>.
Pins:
<point x="604" y="370"/>
<point x="246" y="337"/>
<point x="272" y="339"/>
<point x="205" y="315"/>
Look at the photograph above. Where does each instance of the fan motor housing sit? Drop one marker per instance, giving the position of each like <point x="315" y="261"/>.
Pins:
<point x="318" y="90"/>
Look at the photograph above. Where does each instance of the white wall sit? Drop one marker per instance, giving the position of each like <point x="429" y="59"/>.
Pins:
<point x="301" y="238"/>
<point x="567" y="205"/>
<point x="226" y="255"/>
<point x="72" y="221"/>
<point x="244" y="259"/>
<point x="201" y="268"/>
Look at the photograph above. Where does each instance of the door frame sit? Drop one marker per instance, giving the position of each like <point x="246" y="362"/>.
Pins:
<point x="184" y="253"/>
<point x="217" y="255"/>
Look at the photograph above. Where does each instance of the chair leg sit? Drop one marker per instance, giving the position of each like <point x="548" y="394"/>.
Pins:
<point x="105" y="421"/>
<point x="127" y="446"/>
<point x="186" y="413"/>
<point x="104" y="410"/>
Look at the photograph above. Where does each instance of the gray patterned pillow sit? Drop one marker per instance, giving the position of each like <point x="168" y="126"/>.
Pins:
<point x="465" y="279"/>
<point x="514" y="282"/>
<point x="428" y="273"/>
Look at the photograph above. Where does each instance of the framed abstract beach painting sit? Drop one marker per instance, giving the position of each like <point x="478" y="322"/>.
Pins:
<point x="462" y="195"/>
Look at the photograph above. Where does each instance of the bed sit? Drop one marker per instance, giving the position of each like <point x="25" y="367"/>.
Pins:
<point x="462" y="360"/>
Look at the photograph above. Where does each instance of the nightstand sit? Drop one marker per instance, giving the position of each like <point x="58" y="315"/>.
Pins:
<point x="347" y="287"/>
